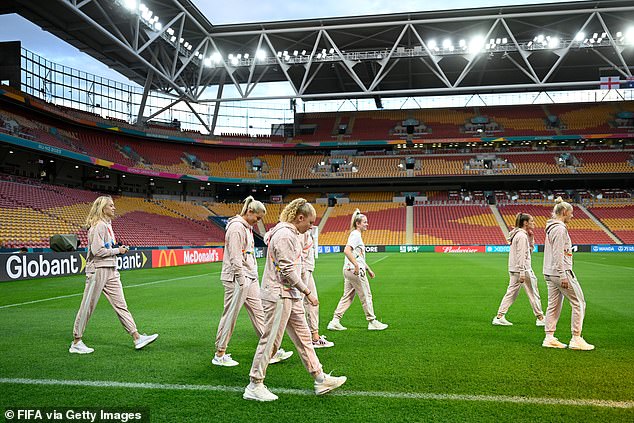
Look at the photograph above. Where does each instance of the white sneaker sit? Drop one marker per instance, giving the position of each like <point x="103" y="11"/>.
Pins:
<point x="144" y="340"/>
<point x="376" y="325"/>
<point x="501" y="321"/>
<point x="79" y="348"/>
<point x="578" y="343"/>
<point x="322" y="342"/>
<point x="258" y="392"/>
<point x="280" y="355"/>
<point x="225" y="361"/>
<point x="552" y="342"/>
<point x="541" y="323"/>
<point x="329" y="383"/>
<point x="336" y="325"/>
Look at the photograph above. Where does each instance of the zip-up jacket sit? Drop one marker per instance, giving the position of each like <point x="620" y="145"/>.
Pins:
<point x="238" y="261"/>
<point x="520" y="252"/>
<point x="282" y="271"/>
<point x="102" y="247"/>
<point x="557" y="249"/>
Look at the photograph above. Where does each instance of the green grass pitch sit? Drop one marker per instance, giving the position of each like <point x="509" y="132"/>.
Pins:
<point x="440" y="342"/>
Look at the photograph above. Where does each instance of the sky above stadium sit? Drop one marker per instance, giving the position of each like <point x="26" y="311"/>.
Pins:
<point x="14" y="27"/>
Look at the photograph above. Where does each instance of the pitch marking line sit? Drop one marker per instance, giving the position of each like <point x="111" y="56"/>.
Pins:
<point x="125" y="287"/>
<point x="395" y="395"/>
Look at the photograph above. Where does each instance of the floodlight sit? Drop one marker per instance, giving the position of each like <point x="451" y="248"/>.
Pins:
<point x="553" y="42"/>
<point x="158" y="26"/>
<point x="580" y="36"/>
<point x="246" y="56"/>
<point x="170" y="31"/>
<point x="216" y="57"/>
<point x="431" y="44"/>
<point x="261" y="54"/>
<point x="130" y="5"/>
<point x="446" y="43"/>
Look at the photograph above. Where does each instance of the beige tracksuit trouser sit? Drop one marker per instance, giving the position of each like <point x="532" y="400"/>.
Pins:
<point x="514" y="289"/>
<point x="284" y="314"/>
<point x="312" y="312"/>
<point x="359" y="285"/>
<point x="235" y="297"/>
<point x="556" y="296"/>
<point x="108" y="281"/>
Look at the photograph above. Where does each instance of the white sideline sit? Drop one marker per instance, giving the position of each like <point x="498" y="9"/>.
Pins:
<point x="376" y="394"/>
<point x="125" y="287"/>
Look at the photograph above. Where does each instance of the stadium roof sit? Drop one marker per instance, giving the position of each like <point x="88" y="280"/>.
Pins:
<point x="169" y="45"/>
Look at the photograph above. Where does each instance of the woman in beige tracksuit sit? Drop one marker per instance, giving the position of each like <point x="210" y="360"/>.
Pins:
<point x="561" y="280"/>
<point x="239" y="277"/>
<point x="282" y="298"/>
<point x="312" y="311"/>
<point x="356" y="282"/>
<point x="102" y="276"/>
<point x="520" y="270"/>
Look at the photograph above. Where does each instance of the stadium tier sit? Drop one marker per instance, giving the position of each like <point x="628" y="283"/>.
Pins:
<point x="386" y="222"/>
<point x="32" y="213"/>
<point x="582" y="228"/>
<point x="618" y="218"/>
<point x="456" y="225"/>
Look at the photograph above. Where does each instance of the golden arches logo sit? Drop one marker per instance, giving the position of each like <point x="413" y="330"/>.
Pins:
<point x="166" y="257"/>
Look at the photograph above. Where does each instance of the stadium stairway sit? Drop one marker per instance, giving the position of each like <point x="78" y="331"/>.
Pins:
<point x="409" y="225"/>
<point x="600" y="224"/>
<point x="324" y="219"/>
<point x="500" y="220"/>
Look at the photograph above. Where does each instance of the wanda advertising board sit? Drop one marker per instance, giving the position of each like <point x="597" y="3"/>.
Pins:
<point x="168" y="258"/>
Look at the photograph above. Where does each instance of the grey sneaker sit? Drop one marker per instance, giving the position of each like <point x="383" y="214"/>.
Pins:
<point x="329" y="383"/>
<point x="144" y="340"/>
<point x="376" y="325"/>
<point x="322" y="342"/>
<point x="578" y="343"/>
<point x="336" y="325"/>
<point x="280" y="355"/>
<point x="258" y="392"/>
<point x="552" y="342"/>
<point x="79" y="348"/>
<point x="225" y="361"/>
<point x="501" y="321"/>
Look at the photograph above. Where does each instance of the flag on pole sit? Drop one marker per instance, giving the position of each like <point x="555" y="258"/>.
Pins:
<point x="629" y="82"/>
<point x="610" y="82"/>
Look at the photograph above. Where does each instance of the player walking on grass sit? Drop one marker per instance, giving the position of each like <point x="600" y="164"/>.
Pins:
<point x="312" y="311"/>
<point x="282" y="289"/>
<point x="561" y="280"/>
<point x="356" y="282"/>
<point x="239" y="277"/>
<point x="521" y="272"/>
<point x="102" y="276"/>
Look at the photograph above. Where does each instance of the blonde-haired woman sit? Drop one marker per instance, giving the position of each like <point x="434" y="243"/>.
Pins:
<point x="561" y="280"/>
<point x="355" y="271"/>
<point x="239" y="277"/>
<point x="102" y="276"/>
<point x="282" y="295"/>
<point x="520" y="269"/>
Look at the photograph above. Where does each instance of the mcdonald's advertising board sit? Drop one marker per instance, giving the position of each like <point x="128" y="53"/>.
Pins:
<point x="177" y="257"/>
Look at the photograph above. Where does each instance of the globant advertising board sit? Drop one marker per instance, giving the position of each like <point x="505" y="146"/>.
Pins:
<point x="19" y="266"/>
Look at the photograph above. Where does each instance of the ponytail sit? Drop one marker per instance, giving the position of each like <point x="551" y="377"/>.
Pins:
<point x="520" y="218"/>
<point x="560" y="207"/>
<point x="296" y="207"/>
<point x="356" y="218"/>
<point x="253" y="205"/>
